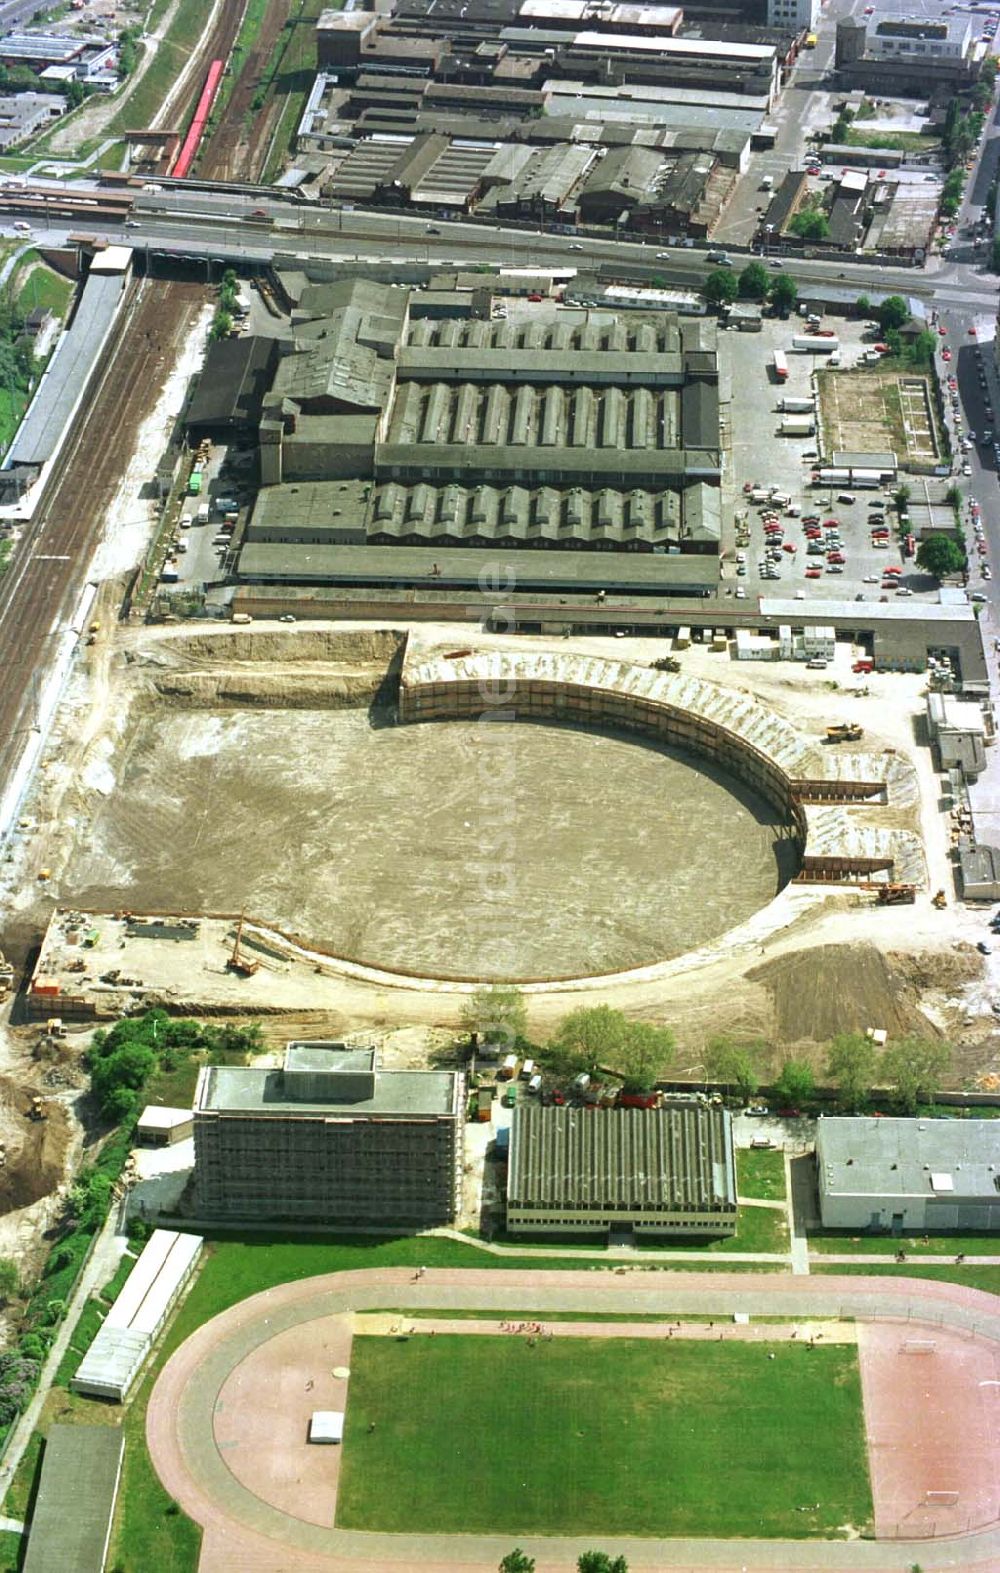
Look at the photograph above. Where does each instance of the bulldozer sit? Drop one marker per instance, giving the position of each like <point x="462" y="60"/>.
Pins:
<point x="36" y="1110"/>
<point x="844" y="732"/>
<point x="939" y="900"/>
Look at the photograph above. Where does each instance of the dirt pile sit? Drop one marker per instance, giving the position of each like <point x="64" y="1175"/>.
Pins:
<point x="287" y="691"/>
<point x="287" y="646"/>
<point x="827" y="989"/>
<point x="34" y="1150"/>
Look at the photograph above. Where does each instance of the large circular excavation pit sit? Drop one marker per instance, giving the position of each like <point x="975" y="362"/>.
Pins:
<point x="448" y="849"/>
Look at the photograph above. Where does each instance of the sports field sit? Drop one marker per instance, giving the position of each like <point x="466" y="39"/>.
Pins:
<point x="613" y="1436"/>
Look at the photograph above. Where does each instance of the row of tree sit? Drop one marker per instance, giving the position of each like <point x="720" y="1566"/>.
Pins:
<point x="600" y="1041"/>
<point x="723" y="287"/>
<point x="518" y="1561"/>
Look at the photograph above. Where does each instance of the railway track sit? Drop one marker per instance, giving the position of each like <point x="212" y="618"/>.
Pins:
<point x="43" y="584"/>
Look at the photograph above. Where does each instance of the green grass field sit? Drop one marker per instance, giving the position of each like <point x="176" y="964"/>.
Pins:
<point x="913" y="1244"/>
<point x="41" y="287"/>
<point x="760" y="1175"/>
<point x="595" y="1436"/>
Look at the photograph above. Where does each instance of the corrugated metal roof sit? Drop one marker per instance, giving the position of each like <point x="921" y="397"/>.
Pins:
<point x="640" y="1158"/>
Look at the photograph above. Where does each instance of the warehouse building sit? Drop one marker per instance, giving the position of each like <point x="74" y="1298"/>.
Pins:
<point x="330" y="1138"/>
<point x="902" y="1175"/>
<point x="668" y="1171"/>
<point x="395" y="444"/>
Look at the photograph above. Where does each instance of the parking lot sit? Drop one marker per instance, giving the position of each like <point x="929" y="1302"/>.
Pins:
<point x="761" y="457"/>
<point x="199" y="554"/>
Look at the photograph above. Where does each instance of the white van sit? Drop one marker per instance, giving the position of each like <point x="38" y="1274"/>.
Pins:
<point x="22" y="226"/>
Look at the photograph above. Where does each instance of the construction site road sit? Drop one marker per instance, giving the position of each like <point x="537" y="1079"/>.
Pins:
<point x="43" y="586"/>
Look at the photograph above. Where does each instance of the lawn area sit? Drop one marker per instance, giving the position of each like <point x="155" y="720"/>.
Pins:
<point x="140" y="108"/>
<point x="10" y="1551"/>
<point x="912" y="1244"/>
<point x="41" y="287"/>
<point x="987" y="1278"/>
<point x="760" y="1175"/>
<point x="597" y="1436"/>
<point x="896" y="141"/>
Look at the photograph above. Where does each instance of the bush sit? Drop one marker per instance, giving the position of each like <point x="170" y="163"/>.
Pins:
<point x="18" y="1376"/>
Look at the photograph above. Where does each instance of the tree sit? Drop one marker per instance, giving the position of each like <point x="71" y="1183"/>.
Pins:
<point x="921" y="348"/>
<point x="517" y="1561"/>
<point x="496" y="1014"/>
<point x="795" y="1082"/>
<point x="901" y="497"/>
<point x="863" y="306"/>
<point x="591" y="1038"/>
<point x="995" y="254"/>
<point x="940" y="555"/>
<point x="784" y="292"/>
<point x="10" y="1280"/>
<point x="644" y="1055"/>
<point x="851" y="1062"/>
<point x="600" y="1562"/>
<point x="753" y="281"/>
<point x="893" y="312"/>
<point x="734" y="1064"/>
<point x="914" y="1068"/>
<point x="720" y="287"/>
<point x="810" y="224"/>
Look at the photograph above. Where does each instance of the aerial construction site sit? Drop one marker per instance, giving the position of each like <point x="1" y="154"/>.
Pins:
<point x="319" y="819"/>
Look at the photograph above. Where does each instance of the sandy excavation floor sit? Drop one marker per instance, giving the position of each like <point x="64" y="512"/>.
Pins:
<point x="812" y="963"/>
<point x="449" y="849"/>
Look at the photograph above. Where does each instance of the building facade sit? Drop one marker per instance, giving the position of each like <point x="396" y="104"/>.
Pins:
<point x="668" y="1171"/>
<point x="329" y="1138"/>
<point x="898" y="1175"/>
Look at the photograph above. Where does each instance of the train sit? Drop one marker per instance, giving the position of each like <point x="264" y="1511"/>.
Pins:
<point x="196" y="130"/>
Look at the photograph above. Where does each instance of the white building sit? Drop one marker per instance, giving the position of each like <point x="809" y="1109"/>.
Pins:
<point x="904" y="1175"/>
<point x="802" y="15"/>
<point x="930" y="37"/>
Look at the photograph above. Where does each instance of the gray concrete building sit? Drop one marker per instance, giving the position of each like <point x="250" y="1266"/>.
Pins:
<point x="908" y="1174"/>
<point x="668" y="1171"/>
<point x="329" y="1138"/>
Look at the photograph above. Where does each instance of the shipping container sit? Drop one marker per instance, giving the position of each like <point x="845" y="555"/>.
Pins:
<point x="815" y="344"/>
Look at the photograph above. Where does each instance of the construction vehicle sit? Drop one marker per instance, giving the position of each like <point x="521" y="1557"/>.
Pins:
<point x="845" y="732"/>
<point x="939" y="900"/>
<point x="897" y="895"/>
<point x="243" y="966"/>
<point x="36" y="1111"/>
<point x="666" y="663"/>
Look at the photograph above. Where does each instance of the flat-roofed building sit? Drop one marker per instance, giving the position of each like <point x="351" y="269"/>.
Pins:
<point x="329" y="1138"/>
<point x="665" y="1171"/>
<point x="908" y="1174"/>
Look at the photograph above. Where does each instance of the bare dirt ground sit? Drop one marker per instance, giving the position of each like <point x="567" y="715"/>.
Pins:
<point x="861" y="410"/>
<point x="813" y="962"/>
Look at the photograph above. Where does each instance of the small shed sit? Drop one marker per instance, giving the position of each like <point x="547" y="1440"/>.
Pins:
<point x="327" y="1425"/>
<point x="160" y="1127"/>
